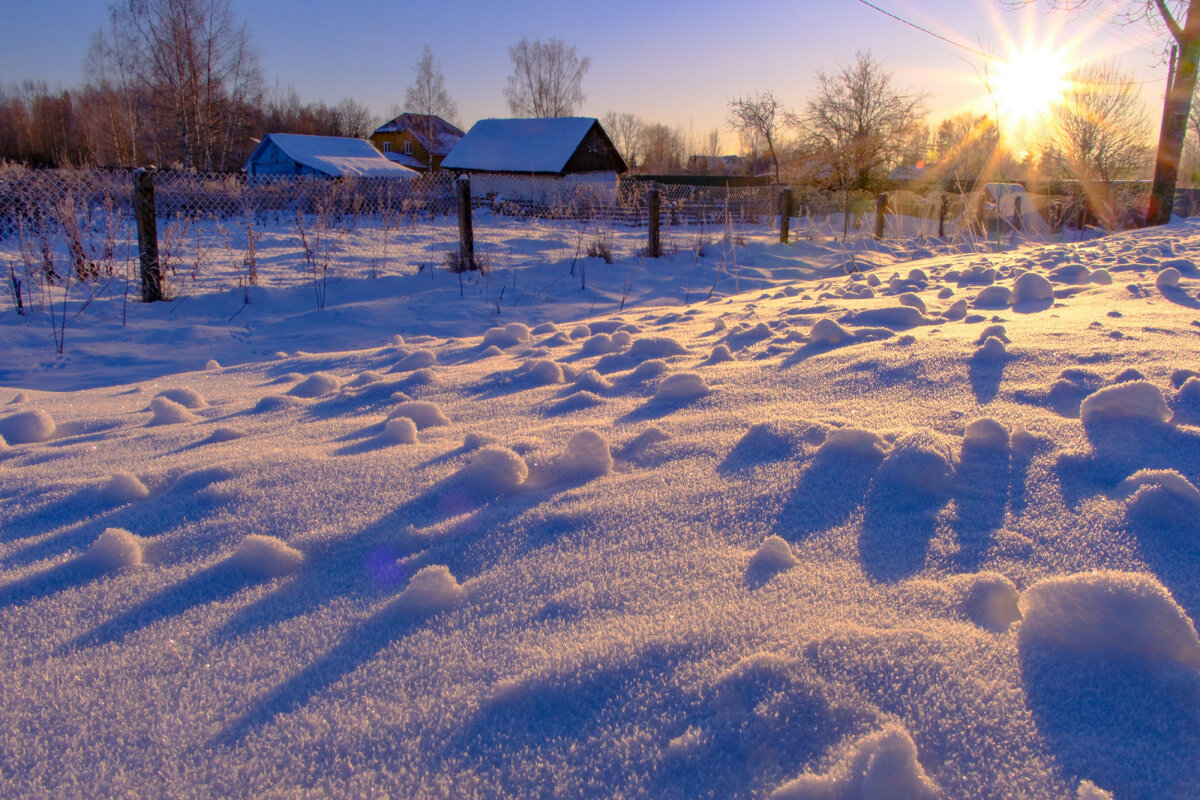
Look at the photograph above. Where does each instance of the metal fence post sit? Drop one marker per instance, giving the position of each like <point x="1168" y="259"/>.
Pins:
<point x="785" y="213"/>
<point x="466" y="236"/>
<point x="653" y="246"/>
<point x="880" y="209"/>
<point x="147" y="228"/>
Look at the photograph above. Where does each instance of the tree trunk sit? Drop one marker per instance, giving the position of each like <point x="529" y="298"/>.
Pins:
<point x="1176" y="108"/>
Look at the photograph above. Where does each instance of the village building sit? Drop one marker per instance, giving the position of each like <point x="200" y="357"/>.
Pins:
<point x="416" y="141"/>
<point x="325" y="156"/>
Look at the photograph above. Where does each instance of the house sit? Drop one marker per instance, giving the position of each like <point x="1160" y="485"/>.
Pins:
<point x="539" y="162"/>
<point x="325" y="156"/>
<point x="417" y="141"/>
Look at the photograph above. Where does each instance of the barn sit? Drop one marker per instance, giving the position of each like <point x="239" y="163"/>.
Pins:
<point x="540" y="161"/>
<point x="324" y="156"/>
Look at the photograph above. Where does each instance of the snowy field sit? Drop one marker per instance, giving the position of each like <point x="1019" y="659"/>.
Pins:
<point x="730" y="523"/>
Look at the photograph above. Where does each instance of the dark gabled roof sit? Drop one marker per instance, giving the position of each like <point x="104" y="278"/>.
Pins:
<point x="543" y="145"/>
<point x="434" y="133"/>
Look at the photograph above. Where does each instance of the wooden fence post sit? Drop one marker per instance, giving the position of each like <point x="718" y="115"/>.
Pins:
<point x="1018" y="222"/>
<point x="942" y="217"/>
<point x="466" y="235"/>
<point x="785" y="213"/>
<point x="653" y="246"/>
<point x="880" y="209"/>
<point x="147" y="228"/>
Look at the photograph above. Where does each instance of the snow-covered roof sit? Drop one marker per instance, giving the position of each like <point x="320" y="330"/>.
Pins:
<point x="434" y="133"/>
<point x="519" y="145"/>
<point x="334" y="155"/>
<point x="404" y="160"/>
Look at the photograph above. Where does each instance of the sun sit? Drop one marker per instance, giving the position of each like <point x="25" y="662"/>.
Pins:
<point x="1028" y="82"/>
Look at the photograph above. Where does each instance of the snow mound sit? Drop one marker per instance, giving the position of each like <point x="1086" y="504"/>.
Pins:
<point x="912" y="300"/>
<point x="592" y="381"/>
<point x="622" y="339"/>
<point x="1167" y="279"/>
<point x="211" y="364"/>
<point x="879" y="766"/>
<point x="315" y="385"/>
<point x="682" y="386"/>
<point x="587" y="456"/>
<point x="265" y="557"/>
<point x="225" y="433"/>
<point x="773" y="555"/>
<point x="994" y="297"/>
<point x="401" y="430"/>
<point x="1140" y="400"/>
<point x="644" y="441"/>
<point x="509" y="335"/>
<point x="124" y="487"/>
<point x="493" y="470"/>
<point x="920" y="464"/>
<point x="188" y="398"/>
<point x="1101" y="277"/>
<point x="27" y="427"/>
<point x="720" y="354"/>
<point x="418" y="359"/>
<point x="1031" y="287"/>
<point x="826" y="331"/>
<point x="655" y="347"/>
<point x="1161" y="494"/>
<point x="1090" y="791"/>
<point x="853" y="442"/>
<point x="115" y="549"/>
<point x="1108" y="613"/>
<point x="274" y="403"/>
<point x="891" y="317"/>
<point x="364" y="378"/>
<point x="431" y="590"/>
<point x="997" y="331"/>
<point x="986" y="433"/>
<point x="992" y="601"/>
<point x="168" y="412"/>
<point x="648" y="369"/>
<point x="992" y="349"/>
<point x="422" y="412"/>
<point x="599" y="345"/>
<point x="541" y="371"/>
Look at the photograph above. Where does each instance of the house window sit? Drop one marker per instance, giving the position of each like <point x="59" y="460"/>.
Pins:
<point x="387" y="147"/>
<point x="408" y="148"/>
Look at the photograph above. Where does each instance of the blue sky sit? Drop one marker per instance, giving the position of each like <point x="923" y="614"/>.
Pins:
<point x="663" y="61"/>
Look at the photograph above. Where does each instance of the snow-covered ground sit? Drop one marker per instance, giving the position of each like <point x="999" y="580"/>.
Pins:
<point x="730" y="523"/>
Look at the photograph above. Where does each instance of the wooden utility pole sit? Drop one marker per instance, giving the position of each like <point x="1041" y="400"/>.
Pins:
<point x="653" y="246"/>
<point x="466" y="234"/>
<point x="147" y="227"/>
<point x="785" y="213"/>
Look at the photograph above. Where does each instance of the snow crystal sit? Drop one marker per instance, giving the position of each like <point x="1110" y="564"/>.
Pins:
<point x="431" y="590"/>
<point x="265" y="557"/>
<point x="493" y="470"/>
<point x="1140" y="400"/>
<point x="1030" y="287"/>
<point x="188" y="398"/>
<point x="655" y="347"/>
<point x="417" y="359"/>
<point x="315" y="385"/>
<point x="168" y="412"/>
<point x="507" y="336"/>
<point x="1108" y="613"/>
<point x="27" y="427"/>
<point x="826" y="331"/>
<point x="401" y="430"/>
<point x="124" y="487"/>
<point x="992" y="601"/>
<point x="773" y="555"/>
<point x="115" y="549"/>
<point x="423" y="413"/>
<point x="879" y="766"/>
<point x="1167" y="279"/>
<point x="986" y="432"/>
<point x="682" y="386"/>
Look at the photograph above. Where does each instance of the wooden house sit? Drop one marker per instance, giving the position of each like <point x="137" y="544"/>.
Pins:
<point x="325" y="156"/>
<point x="416" y="141"/>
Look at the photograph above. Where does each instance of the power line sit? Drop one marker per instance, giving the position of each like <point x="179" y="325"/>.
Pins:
<point x="926" y="30"/>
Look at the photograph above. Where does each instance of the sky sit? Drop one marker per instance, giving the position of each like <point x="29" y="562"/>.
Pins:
<point x="679" y="67"/>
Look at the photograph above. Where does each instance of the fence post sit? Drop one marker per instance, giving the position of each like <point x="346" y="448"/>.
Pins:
<point x="653" y="246"/>
<point x="1018" y="222"/>
<point x="880" y="208"/>
<point x="147" y="228"/>
<point x="785" y="213"/>
<point x="466" y="236"/>
<point x="942" y="217"/>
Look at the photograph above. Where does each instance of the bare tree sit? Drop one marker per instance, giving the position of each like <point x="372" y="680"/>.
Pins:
<point x="665" y="150"/>
<point x="761" y="116"/>
<point x="625" y="130"/>
<point x="1181" y="86"/>
<point x="858" y="120"/>
<point x="428" y="97"/>
<point x="547" y="79"/>
<point x="1098" y="132"/>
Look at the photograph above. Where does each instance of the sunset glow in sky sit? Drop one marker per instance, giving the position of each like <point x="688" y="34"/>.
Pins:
<point x="657" y="60"/>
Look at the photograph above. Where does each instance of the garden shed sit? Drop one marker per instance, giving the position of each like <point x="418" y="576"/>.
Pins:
<point x="326" y="156"/>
